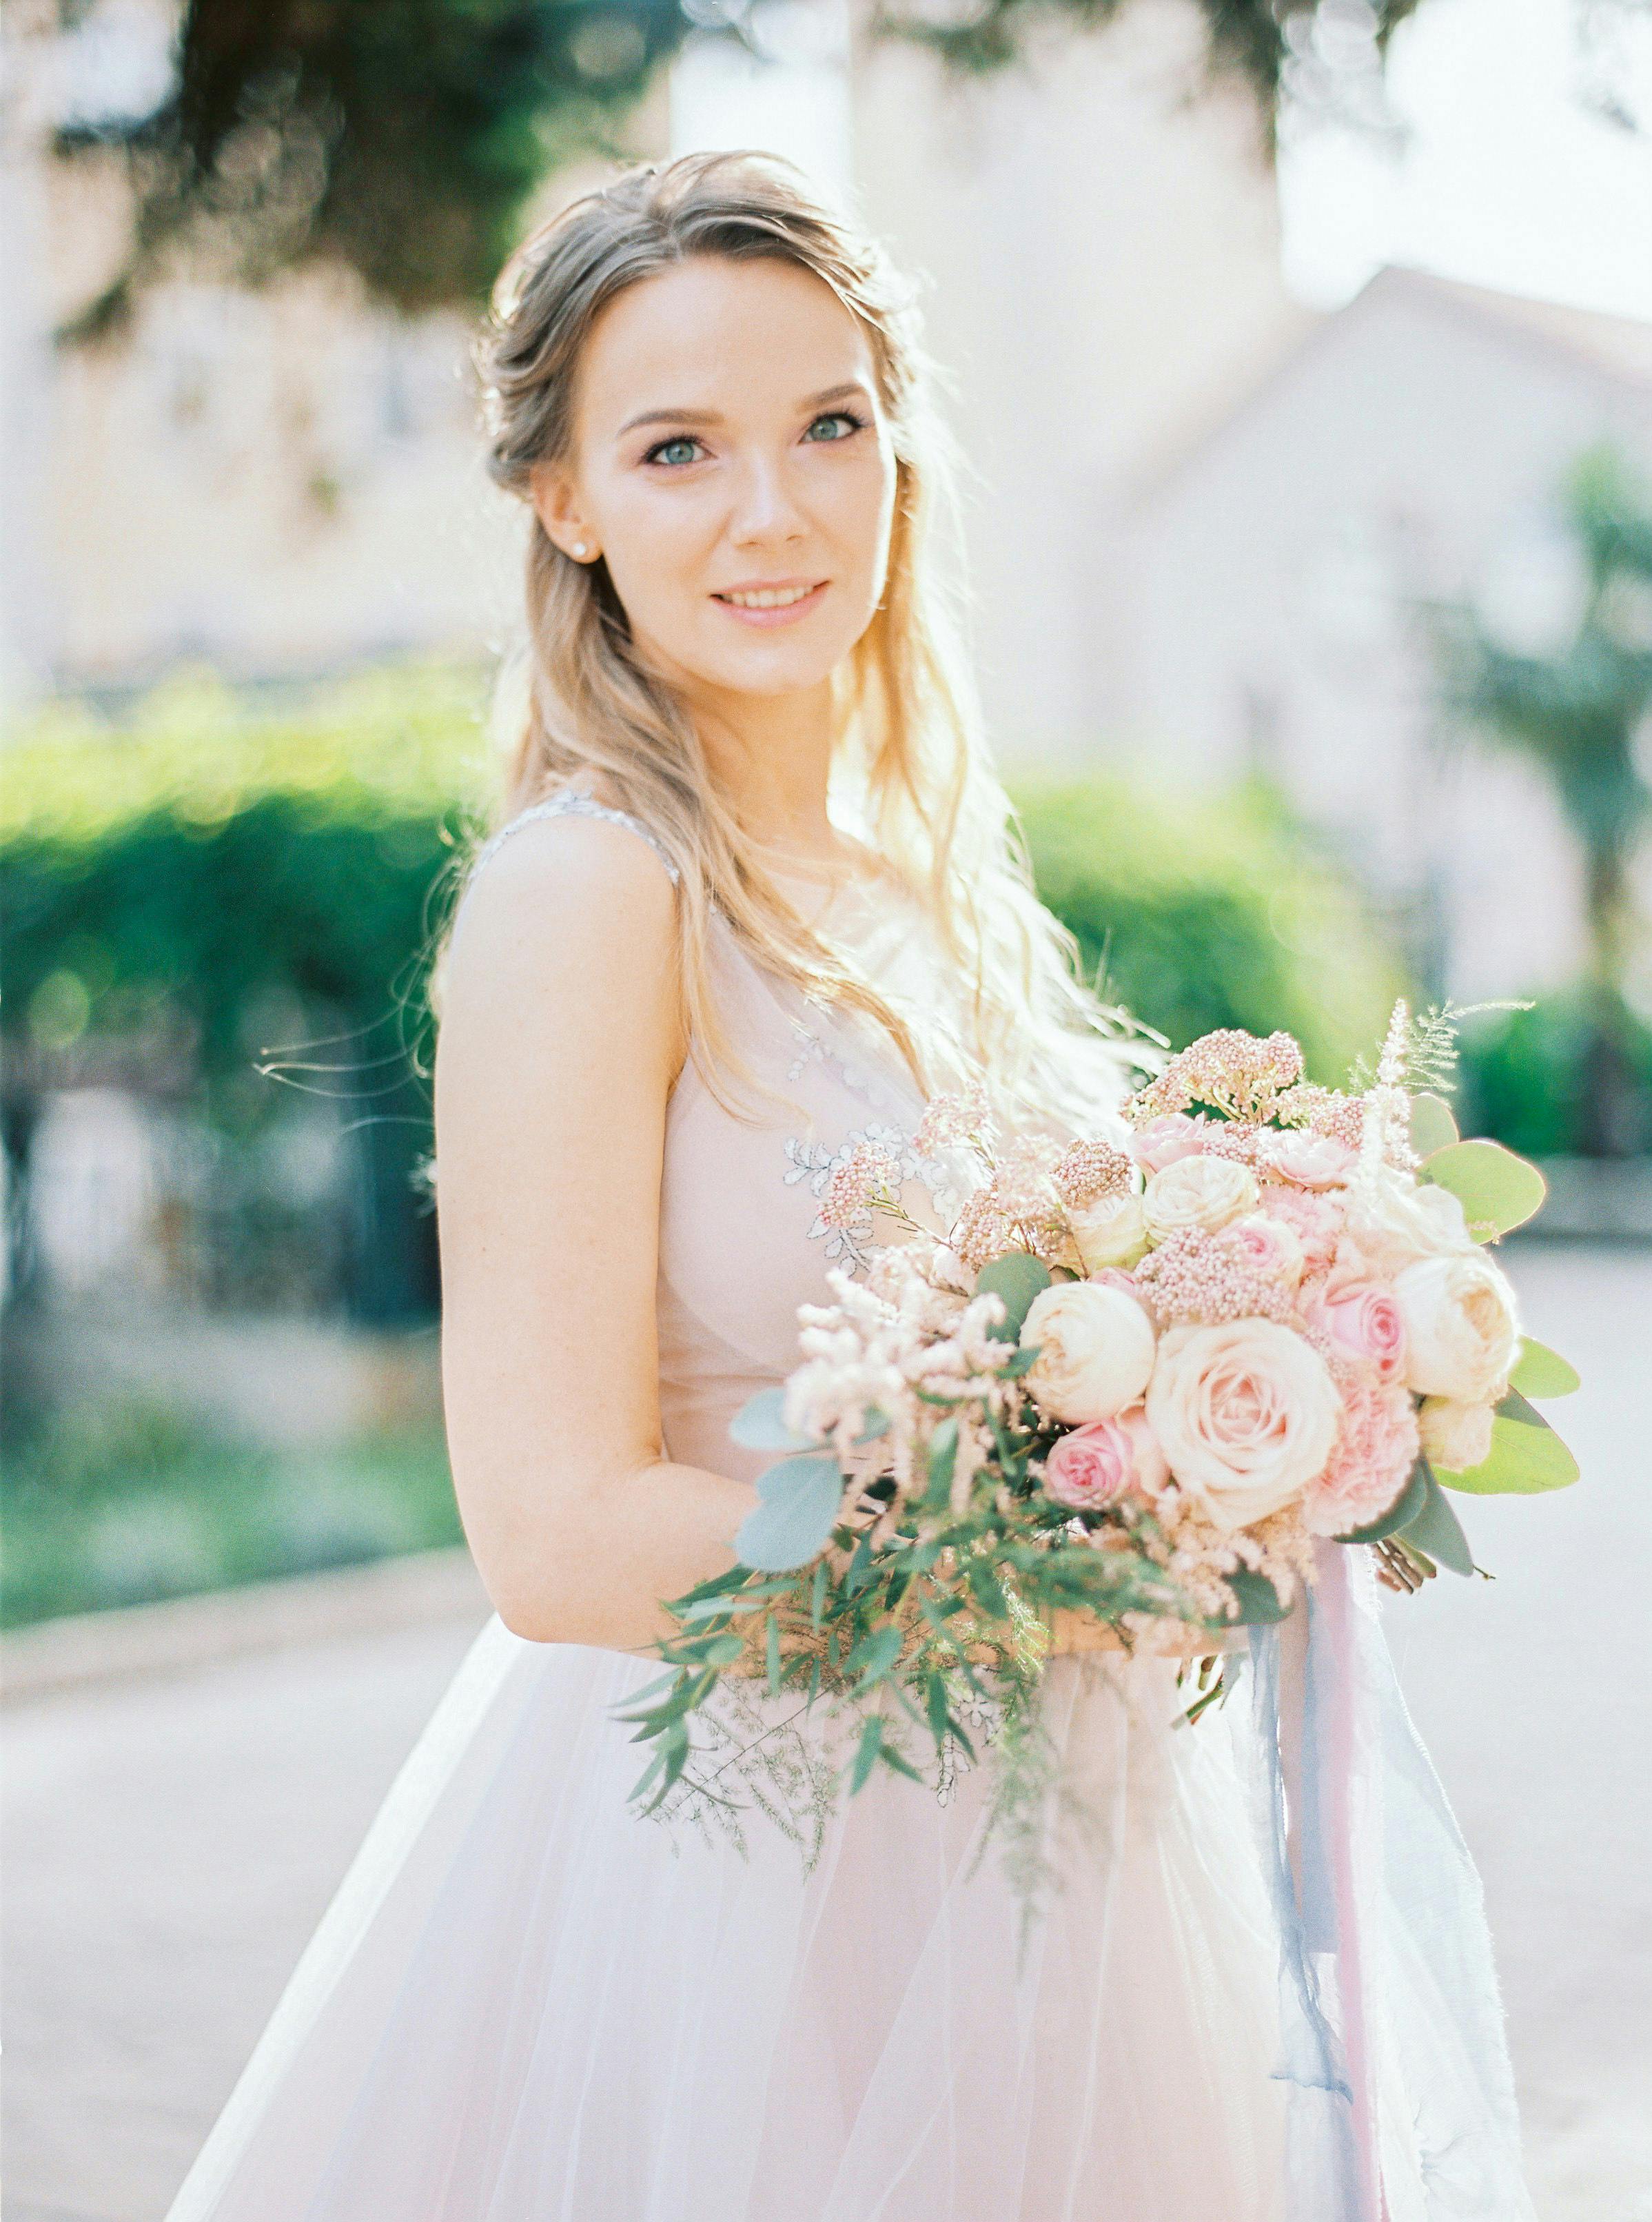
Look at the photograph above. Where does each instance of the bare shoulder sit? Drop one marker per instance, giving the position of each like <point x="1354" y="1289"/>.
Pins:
<point x="567" y="928"/>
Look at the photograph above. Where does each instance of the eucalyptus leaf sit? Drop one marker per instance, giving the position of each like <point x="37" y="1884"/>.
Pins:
<point x="1258" y="1599"/>
<point x="1524" y="1462"/>
<point x="1433" y="1126"/>
<point x="760" y="1424"/>
<point x="1497" y="1189"/>
<point x="800" y="1502"/>
<point x="1515" y="1407"/>
<point x="1437" y="1531"/>
<point x="1542" y="1371"/>
<point x="1400" y="1514"/>
<point x="1017" y="1277"/>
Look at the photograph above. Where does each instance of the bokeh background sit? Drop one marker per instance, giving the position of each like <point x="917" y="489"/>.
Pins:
<point x="1301" y="351"/>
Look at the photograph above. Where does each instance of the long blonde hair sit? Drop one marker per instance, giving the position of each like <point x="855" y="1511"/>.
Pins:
<point x="909" y="762"/>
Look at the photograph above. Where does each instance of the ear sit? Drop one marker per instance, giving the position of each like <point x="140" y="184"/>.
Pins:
<point x="553" y="495"/>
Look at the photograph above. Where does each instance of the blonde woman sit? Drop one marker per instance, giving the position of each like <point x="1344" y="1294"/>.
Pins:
<point x="754" y="894"/>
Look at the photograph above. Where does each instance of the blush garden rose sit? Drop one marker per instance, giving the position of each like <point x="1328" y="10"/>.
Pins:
<point x="1096" y="1350"/>
<point x="1246" y="1413"/>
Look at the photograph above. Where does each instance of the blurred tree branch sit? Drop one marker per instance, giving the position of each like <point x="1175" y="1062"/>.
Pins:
<point x="402" y="137"/>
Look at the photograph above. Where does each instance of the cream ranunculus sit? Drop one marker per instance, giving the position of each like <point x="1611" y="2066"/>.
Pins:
<point x="1096" y="1350"/>
<point x="1111" y="1232"/>
<point x="1198" y="1196"/>
<point x="1394" y="1221"/>
<point x="1246" y="1414"/>
<point x="1454" y="1435"/>
<point x="1463" y="1333"/>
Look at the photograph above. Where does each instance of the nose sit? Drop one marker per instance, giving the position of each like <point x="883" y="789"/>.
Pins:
<point x="766" y="510"/>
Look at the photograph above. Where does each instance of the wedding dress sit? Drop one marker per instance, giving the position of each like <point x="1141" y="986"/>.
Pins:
<point x="1263" y="1992"/>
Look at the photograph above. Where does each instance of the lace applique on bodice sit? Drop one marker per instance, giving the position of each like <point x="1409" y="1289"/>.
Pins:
<point x="742" y="1240"/>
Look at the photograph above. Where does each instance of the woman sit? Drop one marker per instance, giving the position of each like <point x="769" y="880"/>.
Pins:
<point x="754" y="897"/>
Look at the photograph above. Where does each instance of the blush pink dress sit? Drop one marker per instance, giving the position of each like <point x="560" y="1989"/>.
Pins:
<point x="526" y="2004"/>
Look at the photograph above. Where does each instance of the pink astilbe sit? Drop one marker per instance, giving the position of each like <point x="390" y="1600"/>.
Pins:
<point x="1241" y="1074"/>
<point x="1326" y="1110"/>
<point x="959" y="1116"/>
<point x="1017" y="1208"/>
<point x="1206" y="1279"/>
<point x="865" y="1178"/>
<point x="1087" y="1171"/>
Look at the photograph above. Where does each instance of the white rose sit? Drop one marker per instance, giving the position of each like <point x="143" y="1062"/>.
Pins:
<point x="1246" y="1414"/>
<point x="1395" y="1220"/>
<point x="1113" y="1232"/>
<point x="1455" y="1436"/>
<point x="1198" y="1196"/>
<point x="1096" y="1350"/>
<point x="1462" y="1334"/>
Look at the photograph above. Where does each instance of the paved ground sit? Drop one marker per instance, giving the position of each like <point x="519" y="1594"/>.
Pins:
<point x="170" y="1844"/>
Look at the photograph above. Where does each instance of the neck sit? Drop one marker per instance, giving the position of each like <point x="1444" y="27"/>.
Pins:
<point x="771" y="756"/>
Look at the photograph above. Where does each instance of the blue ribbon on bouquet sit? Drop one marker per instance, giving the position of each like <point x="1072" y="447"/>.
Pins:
<point x="1321" y="1785"/>
<point x="1386" y="1978"/>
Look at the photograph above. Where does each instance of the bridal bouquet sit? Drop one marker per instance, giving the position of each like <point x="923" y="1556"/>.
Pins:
<point x="1140" y="1380"/>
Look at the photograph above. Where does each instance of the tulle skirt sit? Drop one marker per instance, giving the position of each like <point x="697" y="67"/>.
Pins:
<point x="528" y="2004"/>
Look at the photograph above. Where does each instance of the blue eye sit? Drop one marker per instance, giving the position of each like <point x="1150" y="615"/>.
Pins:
<point x="677" y="440"/>
<point x="661" y="448"/>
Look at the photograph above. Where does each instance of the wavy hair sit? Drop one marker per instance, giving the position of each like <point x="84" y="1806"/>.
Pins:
<point x="909" y="767"/>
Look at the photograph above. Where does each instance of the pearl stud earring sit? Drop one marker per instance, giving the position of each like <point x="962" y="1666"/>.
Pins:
<point x="578" y="548"/>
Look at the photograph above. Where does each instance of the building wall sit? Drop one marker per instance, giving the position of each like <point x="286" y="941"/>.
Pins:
<point x="1100" y="256"/>
<point x="1268" y="586"/>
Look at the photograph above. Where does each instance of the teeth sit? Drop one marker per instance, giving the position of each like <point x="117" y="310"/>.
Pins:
<point x="770" y="597"/>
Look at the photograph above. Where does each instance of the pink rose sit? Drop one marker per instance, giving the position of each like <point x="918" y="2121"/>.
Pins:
<point x="1316" y="1221"/>
<point x="1376" y="1447"/>
<point x="1310" y="1160"/>
<point x="1167" y="1140"/>
<point x="1266" y="1244"/>
<point x="1362" y="1321"/>
<point x="1246" y="1414"/>
<point x="1097" y="1465"/>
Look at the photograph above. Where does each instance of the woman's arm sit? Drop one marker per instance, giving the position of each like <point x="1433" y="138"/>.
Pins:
<point x="561" y="1036"/>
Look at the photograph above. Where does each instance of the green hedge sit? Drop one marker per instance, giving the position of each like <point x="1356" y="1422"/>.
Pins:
<point x="226" y="858"/>
<point x="1525" y="1076"/>
<point x="229" y="859"/>
<point x="1211" y="911"/>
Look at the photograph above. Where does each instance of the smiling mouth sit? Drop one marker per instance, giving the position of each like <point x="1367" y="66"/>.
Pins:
<point x="768" y="598"/>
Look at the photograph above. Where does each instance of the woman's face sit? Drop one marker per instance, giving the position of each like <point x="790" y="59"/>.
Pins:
<point x="729" y="440"/>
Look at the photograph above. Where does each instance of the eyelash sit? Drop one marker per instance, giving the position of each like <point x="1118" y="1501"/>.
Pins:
<point x="848" y="415"/>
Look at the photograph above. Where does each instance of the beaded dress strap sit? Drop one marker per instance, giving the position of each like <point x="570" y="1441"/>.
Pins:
<point x="570" y="801"/>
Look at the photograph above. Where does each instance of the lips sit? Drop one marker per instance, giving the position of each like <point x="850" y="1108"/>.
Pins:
<point x="768" y="614"/>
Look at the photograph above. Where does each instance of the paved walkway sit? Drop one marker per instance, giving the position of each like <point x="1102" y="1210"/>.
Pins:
<point x="171" y="1843"/>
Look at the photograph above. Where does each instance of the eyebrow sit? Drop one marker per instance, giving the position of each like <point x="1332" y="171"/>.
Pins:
<point x="713" y="417"/>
